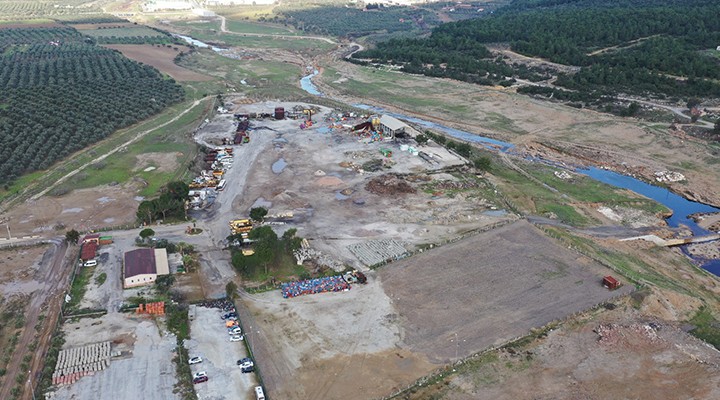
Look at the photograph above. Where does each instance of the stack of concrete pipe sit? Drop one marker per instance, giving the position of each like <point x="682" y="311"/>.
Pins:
<point x="72" y="364"/>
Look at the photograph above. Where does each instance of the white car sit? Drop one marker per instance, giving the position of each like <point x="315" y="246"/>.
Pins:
<point x="234" y="331"/>
<point x="199" y="374"/>
<point x="195" y="360"/>
<point x="236" y="338"/>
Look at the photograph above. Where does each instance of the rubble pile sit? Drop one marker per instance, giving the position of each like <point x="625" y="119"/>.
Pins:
<point x="615" y="335"/>
<point x="309" y="254"/>
<point x="389" y="184"/>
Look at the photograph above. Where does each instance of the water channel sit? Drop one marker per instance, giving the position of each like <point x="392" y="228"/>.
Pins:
<point x="681" y="207"/>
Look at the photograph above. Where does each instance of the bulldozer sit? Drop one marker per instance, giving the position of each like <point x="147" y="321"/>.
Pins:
<point x="355" y="276"/>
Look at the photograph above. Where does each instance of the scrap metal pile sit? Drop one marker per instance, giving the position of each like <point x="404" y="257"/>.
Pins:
<point x="313" y="286"/>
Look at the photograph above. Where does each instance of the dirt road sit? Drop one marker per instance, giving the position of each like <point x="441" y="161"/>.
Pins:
<point x="50" y="282"/>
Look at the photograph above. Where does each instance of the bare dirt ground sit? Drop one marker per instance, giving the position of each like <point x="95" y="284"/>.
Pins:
<point x="161" y="162"/>
<point x="414" y="315"/>
<point x="305" y="171"/>
<point x="491" y="288"/>
<point x="82" y="209"/>
<point x="582" y="136"/>
<point x="146" y="358"/>
<point x="41" y="274"/>
<point x="330" y="345"/>
<point x="620" y="354"/>
<point x="160" y="58"/>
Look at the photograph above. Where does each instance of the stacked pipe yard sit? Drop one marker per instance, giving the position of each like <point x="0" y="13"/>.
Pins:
<point x="77" y="362"/>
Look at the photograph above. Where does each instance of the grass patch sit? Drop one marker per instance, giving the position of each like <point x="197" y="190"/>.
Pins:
<point x="100" y="279"/>
<point x="79" y="287"/>
<point x="707" y="327"/>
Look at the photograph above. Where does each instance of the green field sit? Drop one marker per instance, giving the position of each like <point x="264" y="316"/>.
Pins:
<point x="546" y="195"/>
<point x="264" y="79"/>
<point x="307" y="46"/>
<point x="24" y="9"/>
<point x="252" y="27"/>
<point x="121" y="166"/>
<point x="120" y="32"/>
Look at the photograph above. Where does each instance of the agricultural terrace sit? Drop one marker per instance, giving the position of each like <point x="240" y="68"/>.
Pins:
<point x="59" y="93"/>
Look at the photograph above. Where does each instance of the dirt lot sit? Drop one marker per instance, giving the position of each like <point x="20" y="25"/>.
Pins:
<point x="414" y="316"/>
<point x="211" y="342"/>
<point x="314" y="173"/>
<point x="146" y="356"/>
<point x="82" y="209"/>
<point x="637" y="357"/>
<point x="160" y="58"/>
<point x="490" y="288"/>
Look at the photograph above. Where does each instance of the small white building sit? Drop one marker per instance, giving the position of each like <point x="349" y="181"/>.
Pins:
<point x="143" y="266"/>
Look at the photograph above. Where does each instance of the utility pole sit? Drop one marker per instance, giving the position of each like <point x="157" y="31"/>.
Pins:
<point x="32" y="389"/>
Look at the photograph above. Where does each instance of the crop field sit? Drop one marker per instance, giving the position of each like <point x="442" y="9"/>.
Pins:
<point x="160" y="57"/>
<point x="40" y="8"/>
<point x="307" y="46"/>
<point x="120" y="32"/>
<point x="241" y="26"/>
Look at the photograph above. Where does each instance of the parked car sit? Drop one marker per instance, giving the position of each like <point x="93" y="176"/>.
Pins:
<point x="236" y="338"/>
<point x="200" y="379"/>
<point x="246" y="364"/>
<point x="200" y="374"/>
<point x="195" y="360"/>
<point x="90" y="263"/>
<point x="235" y="330"/>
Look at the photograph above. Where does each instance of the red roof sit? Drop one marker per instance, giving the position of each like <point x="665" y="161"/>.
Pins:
<point x="88" y="251"/>
<point x="139" y="262"/>
<point x="92" y="236"/>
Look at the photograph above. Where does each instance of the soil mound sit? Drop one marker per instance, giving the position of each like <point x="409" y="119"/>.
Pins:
<point x="389" y="184"/>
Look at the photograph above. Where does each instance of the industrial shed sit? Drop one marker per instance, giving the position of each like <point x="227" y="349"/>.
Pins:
<point x="391" y="126"/>
<point x="143" y="266"/>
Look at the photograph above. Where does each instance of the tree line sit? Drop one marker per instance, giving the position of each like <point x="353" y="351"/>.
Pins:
<point x="632" y="46"/>
<point x="60" y="93"/>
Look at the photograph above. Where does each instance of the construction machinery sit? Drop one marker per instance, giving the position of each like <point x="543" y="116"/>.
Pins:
<point x="238" y="226"/>
<point x="355" y="276"/>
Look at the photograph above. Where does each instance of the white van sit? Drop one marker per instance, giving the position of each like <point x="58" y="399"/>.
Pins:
<point x="259" y="394"/>
<point x="90" y="263"/>
<point x="221" y="185"/>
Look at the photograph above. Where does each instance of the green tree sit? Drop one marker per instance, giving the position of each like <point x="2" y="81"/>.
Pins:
<point x="231" y="290"/>
<point x="421" y="139"/>
<point x="146" y="233"/>
<point x="483" y="163"/>
<point x="146" y="212"/>
<point x="265" y="245"/>
<point x="72" y="236"/>
<point x="258" y="213"/>
<point x="716" y="129"/>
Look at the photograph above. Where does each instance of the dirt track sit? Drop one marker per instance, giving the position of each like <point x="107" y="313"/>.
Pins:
<point x="48" y="285"/>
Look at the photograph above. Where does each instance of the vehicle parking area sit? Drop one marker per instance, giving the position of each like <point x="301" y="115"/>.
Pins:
<point x="417" y="314"/>
<point x="210" y="340"/>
